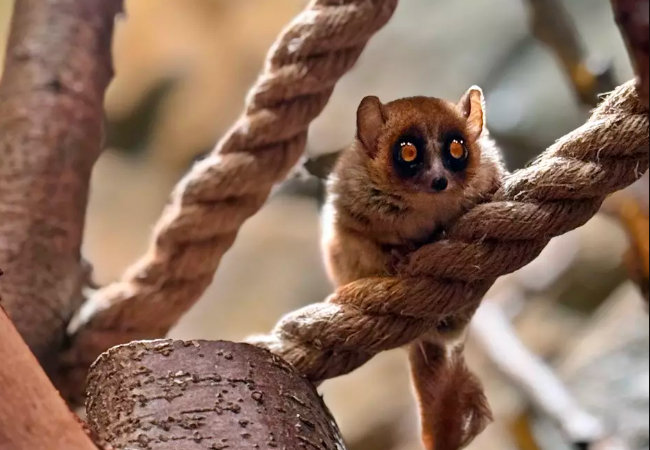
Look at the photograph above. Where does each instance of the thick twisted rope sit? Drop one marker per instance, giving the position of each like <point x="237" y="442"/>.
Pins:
<point x="223" y="191"/>
<point x="445" y="282"/>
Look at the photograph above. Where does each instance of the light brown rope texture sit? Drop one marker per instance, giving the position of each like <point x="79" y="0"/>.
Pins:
<point x="221" y="192"/>
<point x="445" y="282"/>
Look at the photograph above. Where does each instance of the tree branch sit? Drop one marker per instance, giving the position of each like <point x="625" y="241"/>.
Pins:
<point x="632" y="18"/>
<point x="631" y="208"/>
<point x="51" y="119"/>
<point x="204" y="395"/>
<point x="32" y="414"/>
<point x="552" y="25"/>
<point x="494" y="333"/>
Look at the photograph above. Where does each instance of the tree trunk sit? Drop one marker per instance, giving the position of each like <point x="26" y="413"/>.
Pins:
<point x="51" y="118"/>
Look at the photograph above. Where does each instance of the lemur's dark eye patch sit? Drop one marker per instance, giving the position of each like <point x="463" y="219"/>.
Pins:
<point x="409" y="155"/>
<point x="455" y="153"/>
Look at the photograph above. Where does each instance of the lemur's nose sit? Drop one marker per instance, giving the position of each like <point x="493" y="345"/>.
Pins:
<point x="440" y="184"/>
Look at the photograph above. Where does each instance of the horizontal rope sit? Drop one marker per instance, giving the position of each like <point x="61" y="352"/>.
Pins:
<point x="444" y="282"/>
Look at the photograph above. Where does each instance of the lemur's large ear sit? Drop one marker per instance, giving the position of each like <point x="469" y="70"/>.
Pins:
<point x="472" y="107"/>
<point x="370" y="121"/>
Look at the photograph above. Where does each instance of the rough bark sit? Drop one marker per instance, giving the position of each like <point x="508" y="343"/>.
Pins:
<point x="51" y="118"/>
<point x="32" y="414"/>
<point x="632" y="18"/>
<point x="166" y="395"/>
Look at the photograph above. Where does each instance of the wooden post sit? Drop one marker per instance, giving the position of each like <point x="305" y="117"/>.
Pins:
<point x="201" y="395"/>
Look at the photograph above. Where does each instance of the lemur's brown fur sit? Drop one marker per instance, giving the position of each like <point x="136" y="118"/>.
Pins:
<point x="380" y="206"/>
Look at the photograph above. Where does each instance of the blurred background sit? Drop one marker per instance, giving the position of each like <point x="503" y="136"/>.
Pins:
<point x="183" y="69"/>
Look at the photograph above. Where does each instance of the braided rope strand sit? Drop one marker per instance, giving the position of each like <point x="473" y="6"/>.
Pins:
<point x="447" y="280"/>
<point x="210" y="205"/>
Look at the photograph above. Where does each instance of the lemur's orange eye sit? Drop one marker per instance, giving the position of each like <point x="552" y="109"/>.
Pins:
<point x="457" y="150"/>
<point x="409" y="152"/>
